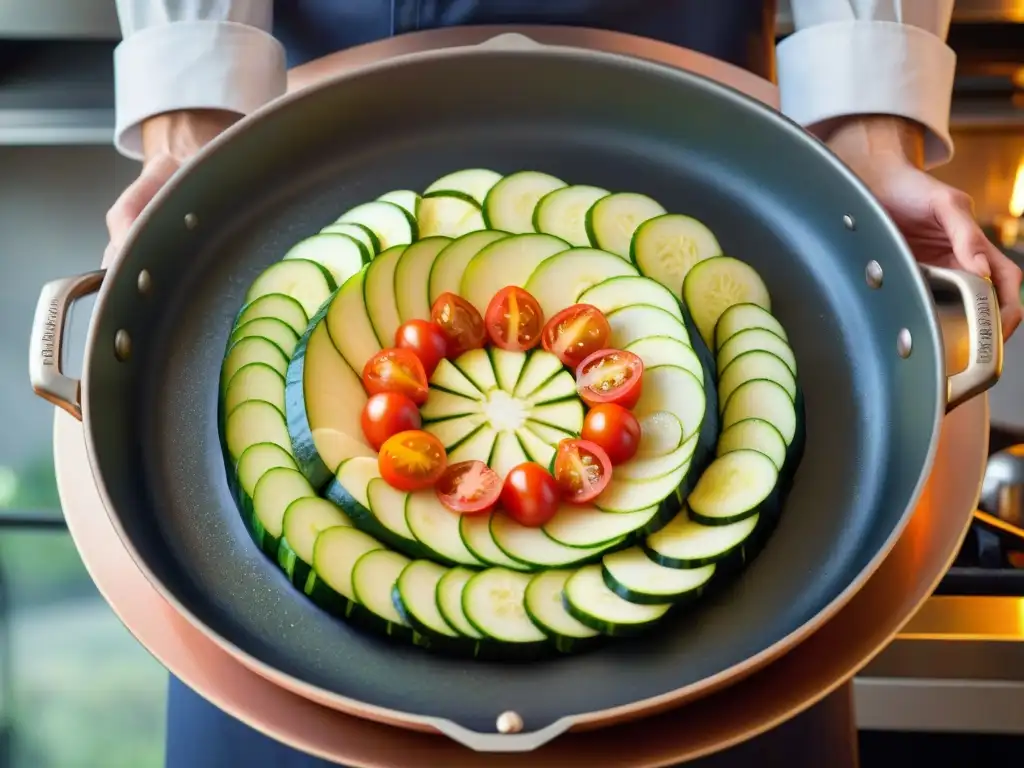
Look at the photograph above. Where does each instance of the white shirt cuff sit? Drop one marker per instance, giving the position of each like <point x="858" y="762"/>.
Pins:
<point x="869" y="68"/>
<point x="193" y="65"/>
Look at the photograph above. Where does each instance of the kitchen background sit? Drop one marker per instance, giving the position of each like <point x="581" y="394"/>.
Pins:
<point x="76" y="690"/>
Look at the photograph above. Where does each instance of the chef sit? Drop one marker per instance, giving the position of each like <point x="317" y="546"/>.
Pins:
<point x="872" y="78"/>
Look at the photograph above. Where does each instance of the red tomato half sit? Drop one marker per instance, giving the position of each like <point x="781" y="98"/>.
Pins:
<point x="514" y="320"/>
<point x="460" y="322"/>
<point x="469" y="487"/>
<point x="396" y="370"/>
<point x="613" y="428"/>
<point x="610" y="376"/>
<point x="424" y="339"/>
<point x="386" y="414"/>
<point x="576" y="332"/>
<point x="530" y="495"/>
<point x="412" y="460"/>
<point x="582" y="470"/>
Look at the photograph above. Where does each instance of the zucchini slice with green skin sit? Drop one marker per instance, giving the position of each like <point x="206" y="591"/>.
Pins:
<point x="415" y="598"/>
<point x="558" y="281"/>
<point x="255" y="381"/>
<point x="684" y="543"/>
<point x="374" y="579"/>
<point x="643" y="468"/>
<point x="493" y="601"/>
<point x="405" y="199"/>
<point x="252" y="349"/>
<point x="278" y="306"/>
<point x="660" y="433"/>
<point x="540" y="366"/>
<point x="448" y="216"/>
<point x="714" y="285"/>
<point x="589" y="600"/>
<point x="587" y="527"/>
<point x="269" y="328"/>
<point x="449" y="378"/>
<point x="621" y="496"/>
<point x="447" y="269"/>
<point x="629" y="290"/>
<point x="307" y="282"/>
<point x="563" y="213"/>
<point x="436" y="528"/>
<point x="762" y="399"/>
<point x="742" y="317"/>
<point x="676" y="390"/>
<point x="449" y="601"/>
<point x="453" y="432"/>
<point x="631" y="324"/>
<point x="339" y="254"/>
<point x="304" y="520"/>
<point x="510" y="203"/>
<point x="735" y="486"/>
<point x="357" y="232"/>
<point x="755" y="340"/>
<point x="411" y="275"/>
<point x="473" y="183"/>
<point x="667" y="247"/>
<point x="391" y="224"/>
<point x="475" y="531"/>
<point x="755" y="364"/>
<point x="379" y="295"/>
<point x="254" y="422"/>
<point x="335" y="554"/>
<point x="755" y="434"/>
<point x="633" y="576"/>
<point x="612" y="220"/>
<point x="274" y="493"/>
<point x="508" y="366"/>
<point x="349" y="324"/>
<point x="545" y="607"/>
<point x="535" y="549"/>
<point x="665" y="350"/>
<point x="509" y="261"/>
<point x="255" y="461"/>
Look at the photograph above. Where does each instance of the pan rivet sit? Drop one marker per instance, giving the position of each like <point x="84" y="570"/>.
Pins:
<point x="848" y="222"/>
<point x="510" y="722"/>
<point x="145" y="282"/>
<point x="904" y="344"/>
<point x="873" y="274"/>
<point x="122" y="345"/>
<point x="191" y="220"/>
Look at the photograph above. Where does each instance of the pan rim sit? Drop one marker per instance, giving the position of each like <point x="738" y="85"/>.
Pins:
<point x="595" y="718"/>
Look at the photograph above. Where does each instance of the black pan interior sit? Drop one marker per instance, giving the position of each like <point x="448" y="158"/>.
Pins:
<point x="772" y="196"/>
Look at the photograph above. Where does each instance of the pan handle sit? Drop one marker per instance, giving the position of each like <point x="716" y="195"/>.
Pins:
<point x="46" y="347"/>
<point x="984" y="333"/>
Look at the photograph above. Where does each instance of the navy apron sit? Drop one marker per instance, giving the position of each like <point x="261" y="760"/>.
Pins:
<point x="737" y="31"/>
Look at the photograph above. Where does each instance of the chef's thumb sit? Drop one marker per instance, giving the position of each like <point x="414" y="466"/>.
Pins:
<point x="954" y="212"/>
<point x="133" y="201"/>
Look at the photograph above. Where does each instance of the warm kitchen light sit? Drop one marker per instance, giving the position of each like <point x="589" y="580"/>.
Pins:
<point x="1009" y="226"/>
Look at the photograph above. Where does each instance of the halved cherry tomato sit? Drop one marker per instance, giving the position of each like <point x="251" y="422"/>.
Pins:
<point x="460" y="322"/>
<point x="610" y="376"/>
<point x="469" y="487"/>
<point x="396" y="370"/>
<point x="424" y="339"/>
<point x="582" y="470"/>
<point x="514" y="319"/>
<point x="613" y="428"/>
<point x="576" y="332"/>
<point x="412" y="460"/>
<point x="386" y="414"/>
<point x="530" y="495"/>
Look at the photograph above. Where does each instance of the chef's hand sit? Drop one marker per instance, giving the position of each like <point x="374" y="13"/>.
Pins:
<point x="937" y="220"/>
<point x="169" y="141"/>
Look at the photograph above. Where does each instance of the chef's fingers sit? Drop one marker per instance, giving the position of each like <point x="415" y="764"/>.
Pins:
<point x="1006" y="276"/>
<point x="954" y="211"/>
<point x="134" y="199"/>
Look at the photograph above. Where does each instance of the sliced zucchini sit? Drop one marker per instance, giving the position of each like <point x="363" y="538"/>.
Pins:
<point x="755" y="364"/>
<point x="714" y="285"/>
<point x="534" y="548"/>
<point x="475" y="531"/>
<point x="252" y="349"/>
<point x="585" y="526"/>
<point x="564" y="415"/>
<point x="558" y="387"/>
<point x="612" y="220"/>
<point x="623" y="495"/>
<point x="452" y="432"/>
<point x="405" y="199"/>
<point x="379" y="295"/>
<point x="305" y="281"/>
<point x="733" y="487"/>
<point x="387" y="505"/>
<point x="476" y="366"/>
<point x="276" y="305"/>
<point x="447" y="269"/>
<point x="437" y="528"/>
<point x="273" y="494"/>
<point x="448" y="216"/>
<point x="508" y="367"/>
<point x="557" y="282"/>
<point x="255" y="381"/>
<point x="762" y="399"/>
<point x="641" y="468"/>
<point x="349" y="324"/>
<point x="391" y="224"/>
<point x="755" y="434"/>
<point x="546" y="608"/>
<point x="755" y="339"/>
<point x="741" y="317"/>
<point x="666" y="350"/>
<point x="660" y="433"/>
<point x="633" y="576"/>
<point x="684" y="543"/>
<point x="442" y="405"/>
<point x="339" y="254"/>
<point x="304" y="519"/>
<point x="493" y="603"/>
<point x="548" y="434"/>
<point x="477" y="447"/>
<point x="540" y="366"/>
<point x="473" y="183"/>
<point x="411" y="275"/>
<point x="373" y="582"/>
<point x="538" y="450"/>
<point x="589" y="600"/>
<point x="269" y="328"/>
<point x="449" y="601"/>
<point x="667" y="247"/>
<point x="628" y="290"/>
<point x="641" y="321"/>
<point x="335" y="554"/>
<point x="676" y="390"/>
<point x="451" y="379"/>
<point x="507" y="454"/>
<point x="254" y="422"/>
<point x="257" y="460"/>
<point x="357" y="232"/>
<point x="509" y="261"/>
<point x="510" y="203"/>
<point x="563" y="213"/>
<point x="415" y="597"/>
